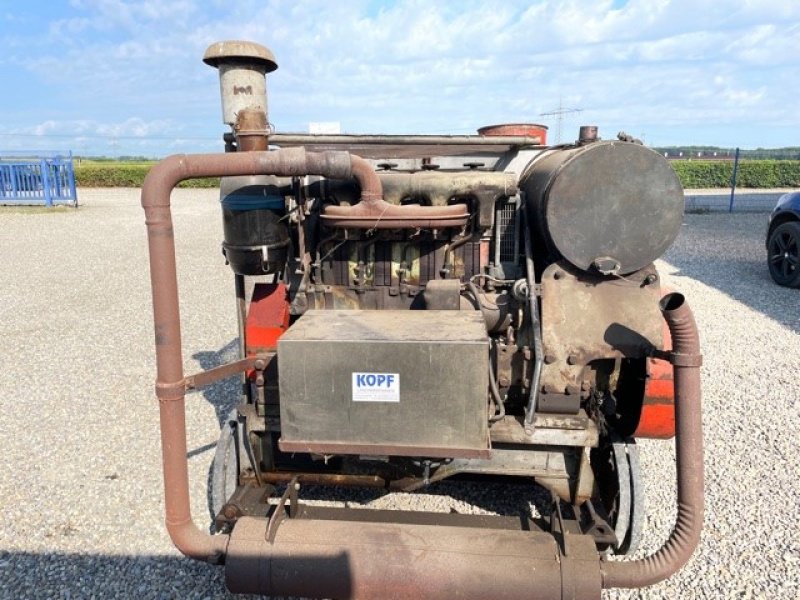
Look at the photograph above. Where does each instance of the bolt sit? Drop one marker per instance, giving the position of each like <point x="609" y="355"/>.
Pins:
<point x="230" y="511"/>
<point x="650" y="279"/>
<point x="558" y="275"/>
<point x="549" y="359"/>
<point x="572" y="359"/>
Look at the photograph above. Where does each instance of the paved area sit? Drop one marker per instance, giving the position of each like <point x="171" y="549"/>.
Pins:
<point x="744" y="199"/>
<point x="80" y="474"/>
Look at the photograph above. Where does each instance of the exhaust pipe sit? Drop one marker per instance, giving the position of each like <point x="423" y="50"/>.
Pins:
<point x="338" y="559"/>
<point x="242" y="77"/>
<point x="686" y="360"/>
<point x="170" y="383"/>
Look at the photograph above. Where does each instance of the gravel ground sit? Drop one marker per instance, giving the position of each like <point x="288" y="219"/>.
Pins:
<point x="80" y="482"/>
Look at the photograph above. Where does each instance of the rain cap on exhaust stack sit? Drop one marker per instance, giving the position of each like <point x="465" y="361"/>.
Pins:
<point x="242" y="75"/>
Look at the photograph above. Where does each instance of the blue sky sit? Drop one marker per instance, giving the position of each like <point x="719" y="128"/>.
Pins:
<point x="126" y="77"/>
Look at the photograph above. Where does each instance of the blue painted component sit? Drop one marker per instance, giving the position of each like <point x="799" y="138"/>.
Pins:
<point x="251" y="202"/>
<point x="47" y="180"/>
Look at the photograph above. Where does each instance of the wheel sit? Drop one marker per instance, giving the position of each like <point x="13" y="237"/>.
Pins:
<point x="225" y="467"/>
<point x="783" y="254"/>
<point x="620" y="495"/>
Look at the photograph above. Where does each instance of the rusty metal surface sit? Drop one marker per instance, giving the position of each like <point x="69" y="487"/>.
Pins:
<point x="377" y="449"/>
<point x="238" y="50"/>
<point x="561" y="469"/>
<point x="548" y="429"/>
<point x="379" y="214"/>
<point x="689" y="461"/>
<point x="585" y="318"/>
<point x="516" y="129"/>
<point x="611" y="203"/>
<point x="432" y="188"/>
<point x="251" y="130"/>
<point x="373" y="212"/>
<point x="415" y="517"/>
<point x="204" y="378"/>
<point x="156" y="190"/>
<point x="340" y="559"/>
<point x="242" y="83"/>
<point x="408" y="146"/>
<point x="333" y="479"/>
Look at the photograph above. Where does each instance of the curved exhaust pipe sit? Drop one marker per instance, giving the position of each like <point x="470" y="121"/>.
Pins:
<point x="676" y="551"/>
<point x="170" y="383"/>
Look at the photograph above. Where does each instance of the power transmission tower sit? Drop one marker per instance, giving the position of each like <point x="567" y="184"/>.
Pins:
<point x="559" y="113"/>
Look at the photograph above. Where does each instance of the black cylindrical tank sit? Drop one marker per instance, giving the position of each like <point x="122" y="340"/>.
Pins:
<point x="612" y="207"/>
<point x="256" y="235"/>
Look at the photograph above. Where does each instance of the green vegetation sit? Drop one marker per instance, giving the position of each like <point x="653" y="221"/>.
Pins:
<point x="96" y="173"/>
<point x="708" y="152"/>
<point x="693" y="173"/>
<point x="751" y="174"/>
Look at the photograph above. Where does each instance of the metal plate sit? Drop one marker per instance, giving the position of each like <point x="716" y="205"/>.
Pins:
<point x="586" y="317"/>
<point x="439" y="358"/>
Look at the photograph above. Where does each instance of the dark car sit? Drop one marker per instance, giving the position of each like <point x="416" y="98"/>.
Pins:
<point x="783" y="241"/>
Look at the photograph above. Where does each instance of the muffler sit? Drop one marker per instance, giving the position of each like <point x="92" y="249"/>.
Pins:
<point x="339" y="559"/>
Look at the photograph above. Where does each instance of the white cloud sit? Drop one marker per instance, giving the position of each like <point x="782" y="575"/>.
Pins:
<point x="416" y="65"/>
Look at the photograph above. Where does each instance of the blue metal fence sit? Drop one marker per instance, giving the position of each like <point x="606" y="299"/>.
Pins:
<point x="48" y="180"/>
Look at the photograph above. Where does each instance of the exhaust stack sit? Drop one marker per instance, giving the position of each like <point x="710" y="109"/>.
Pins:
<point x="243" y="85"/>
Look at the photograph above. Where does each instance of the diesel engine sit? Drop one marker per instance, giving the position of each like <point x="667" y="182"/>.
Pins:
<point x="413" y="308"/>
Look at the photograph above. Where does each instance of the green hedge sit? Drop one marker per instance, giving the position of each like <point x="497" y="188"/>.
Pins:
<point x="692" y="173"/>
<point x="122" y="175"/>
<point x="751" y="174"/>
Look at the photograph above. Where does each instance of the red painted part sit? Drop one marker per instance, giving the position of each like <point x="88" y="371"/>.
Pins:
<point x="657" y="419"/>
<point x="520" y="129"/>
<point x="267" y="318"/>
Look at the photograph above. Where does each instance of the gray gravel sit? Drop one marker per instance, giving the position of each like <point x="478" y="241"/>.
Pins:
<point x="80" y="475"/>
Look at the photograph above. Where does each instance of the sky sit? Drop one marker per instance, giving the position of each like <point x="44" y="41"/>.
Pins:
<point x="125" y="77"/>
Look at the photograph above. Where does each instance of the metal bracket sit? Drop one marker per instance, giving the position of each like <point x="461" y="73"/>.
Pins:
<point x="557" y="525"/>
<point x="598" y="528"/>
<point x="279" y="514"/>
<point x="678" y="359"/>
<point x="177" y="389"/>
